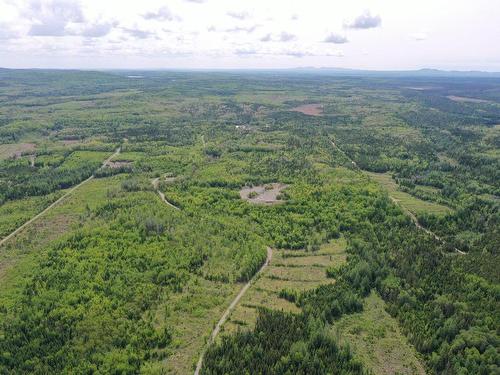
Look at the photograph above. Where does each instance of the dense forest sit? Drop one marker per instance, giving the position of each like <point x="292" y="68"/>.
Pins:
<point x="130" y="272"/>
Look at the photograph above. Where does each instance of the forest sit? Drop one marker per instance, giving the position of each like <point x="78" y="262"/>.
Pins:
<point x="142" y="235"/>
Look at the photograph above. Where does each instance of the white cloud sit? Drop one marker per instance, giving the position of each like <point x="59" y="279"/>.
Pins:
<point x="335" y="39"/>
<point x="162" y="14"/>
<point x="420" y="36"/>
<point x="212" y="31"/>
<point x="364" y="21"/>
<point x="243" y="15"/>
<point x="50" y="18"/>
<point x="287" y="37"/>
<point x="266" y="38"/>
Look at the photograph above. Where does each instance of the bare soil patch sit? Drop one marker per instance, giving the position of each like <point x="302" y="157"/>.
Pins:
<point x="309" y="109"/>
<point x="463" y="99"/>
<point x="16" y="150"/>
<point x="118" y="164"/>
<point x="69" y="142"/>
<point x="263" y="194"/>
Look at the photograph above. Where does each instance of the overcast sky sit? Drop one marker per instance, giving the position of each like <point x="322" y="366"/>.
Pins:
<point x="368" y="34"/>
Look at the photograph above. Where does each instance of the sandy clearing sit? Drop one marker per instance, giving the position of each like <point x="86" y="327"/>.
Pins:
<point x="263" y="194"/>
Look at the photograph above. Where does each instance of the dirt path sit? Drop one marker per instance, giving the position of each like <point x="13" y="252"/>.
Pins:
<point x="419" y="226"/>
<point x="395" y="201"/>
<point x="162" y="196"/>
<point x="52" y="205"/>
<point x="231" y="307"/>
<point x="343" y="153"/>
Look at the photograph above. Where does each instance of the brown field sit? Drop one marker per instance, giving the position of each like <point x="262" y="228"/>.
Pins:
<point x="309" y="109"/>
<point x="15" y="150"/>
<point x="263" y="194"/>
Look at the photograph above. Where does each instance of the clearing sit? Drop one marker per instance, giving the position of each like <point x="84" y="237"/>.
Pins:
<point x="15" y="150"/>
<point x="309" y="109"/>
<point x="375" y="338"/>
<point x="408" y="201"/>
<point x="288" y="269"/>
<point x="263" y="194"/>
<point x="463" y="99"/>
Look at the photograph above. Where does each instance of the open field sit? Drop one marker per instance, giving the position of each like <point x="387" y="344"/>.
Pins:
<point x="376" y="339"/>
<point x="267" y="194"/>
<point x="15" y="150"/>
<point x="409" y="202"/>
<point x="309" y="109"/>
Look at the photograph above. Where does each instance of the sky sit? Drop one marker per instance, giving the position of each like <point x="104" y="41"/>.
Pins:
<point x="218" y="34"/>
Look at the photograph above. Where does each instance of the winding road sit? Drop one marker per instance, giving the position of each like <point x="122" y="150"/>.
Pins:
<point x="162" y="196"/>
<point x="236" y="299"/>
<point x="53" y="204"/>
<point x="231" y="307"/>
<point x="395" y="201"/>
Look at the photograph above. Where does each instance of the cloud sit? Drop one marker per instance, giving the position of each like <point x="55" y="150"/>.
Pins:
<point x="239" y="15"/>
<point x="420" y="36"/>
<point x="6" y="33"/>
<point x="97" y="30"/>
<point x="287" y="37"/>
<point x="162" y="14"/>
<point x="364" y="21"/>
<point x="139" y="34"/>
<point x="51" y="18"/>
<point x="195" y="1"/>
<point x="237" y="29"/>
<point x="294" y="17"/>
<point x="266" y="38"/>
<point x="245" y="52"/>
<point x="335" y="39"/>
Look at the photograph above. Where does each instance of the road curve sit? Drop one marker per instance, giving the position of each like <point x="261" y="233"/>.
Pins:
<point x="155" y="183"/>
<point x="53" y="204"/>
<point x="231" y="307"/>
<point x="395" y="201"/>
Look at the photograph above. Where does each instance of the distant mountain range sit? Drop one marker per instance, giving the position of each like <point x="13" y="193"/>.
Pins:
<point x="310" y="70"/>
<point x="413" y="73"/>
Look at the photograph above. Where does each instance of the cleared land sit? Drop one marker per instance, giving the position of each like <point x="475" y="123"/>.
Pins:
<point x="263" y="194"/>
<point x="10" y="150"/>
<point x="409" y="202"/>
<point x="463" y="99"/>
<point x="309" y="109"/>
<point x="377" y="341"/>
<point x="289" y="269"/>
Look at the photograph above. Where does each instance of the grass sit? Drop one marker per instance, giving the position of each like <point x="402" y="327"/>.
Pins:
<point x="375" y="338"/>
<point x="407" y="201"/>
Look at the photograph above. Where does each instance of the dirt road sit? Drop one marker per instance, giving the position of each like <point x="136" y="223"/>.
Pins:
<point x="409" y="213"/>
<point x="162" y="196"/>
<point x="231" y="307"/>
<point x="52" y="205"/>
